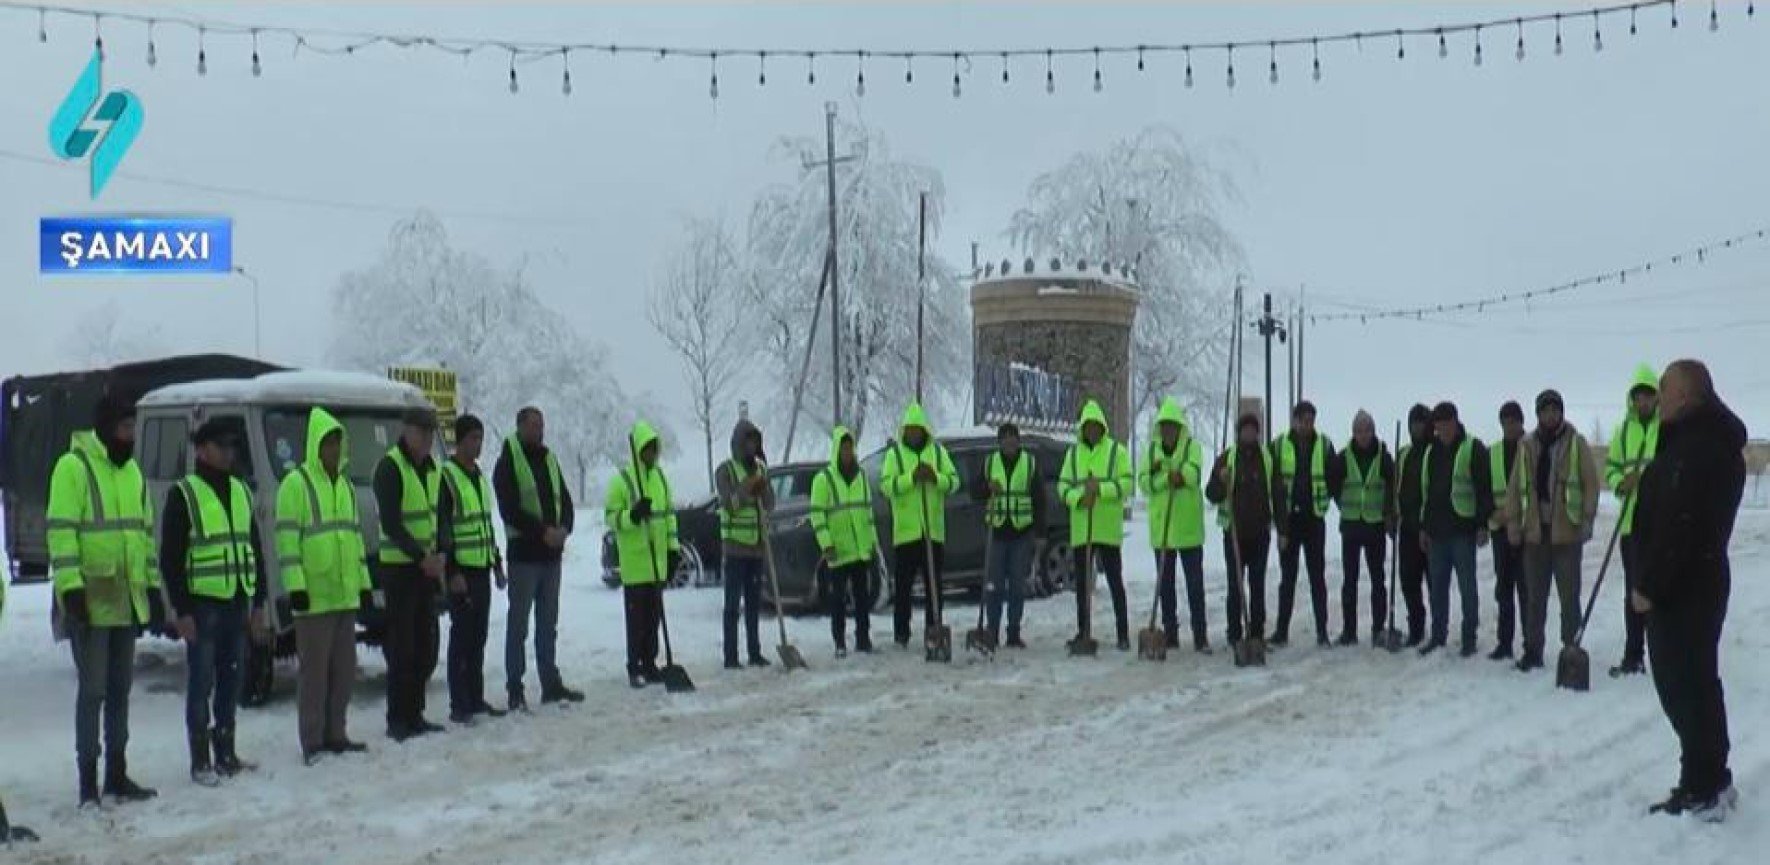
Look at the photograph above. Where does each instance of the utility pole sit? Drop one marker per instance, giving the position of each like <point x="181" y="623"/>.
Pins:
<point x="1302" y="306"/>
<point x="921" y="284"/>
<point x="829" y="163"/>
<point x="1290" y="361"/>
<point x="1269" y="327"/>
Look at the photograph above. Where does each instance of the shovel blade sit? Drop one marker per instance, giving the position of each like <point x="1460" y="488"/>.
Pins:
<point x="676" y="680"/>
<point x="790" y="657"/>
<point x="1084" y="647"/>
<point x="981" y="640"/>
<point x="1250" y="653"/>
<point x="1152" y="644"/>
<point x="1573" y="669"/>
<point x="940" y="644"/>
<point x="1394" y="641"/>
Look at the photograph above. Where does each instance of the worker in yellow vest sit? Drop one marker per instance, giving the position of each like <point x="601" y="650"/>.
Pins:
<point x="107" y="586"/>
<point x="1456" y="503"/>
<point x="464" y="525"/>
<point x="1509" y="589"/>
<point x="411" y="568"/>
<point x="1301" y="458"/>
<point x="842" y="518"/>
<point x="215" y="578"/>
<point x="1551" y="503"/>
<point x="538" y="517"/>
<point x="917" y="476"/>
<point x="1173" y="478"/>
<point x="1361" y="479"/>
<point x="1096" y="481"/>
<point x="1632" y="448"/>
<point x="745" y="496"/>
<point x="1013" y="492"/>
<point x="638" y="509"/>
<point x="1242" y="488"/>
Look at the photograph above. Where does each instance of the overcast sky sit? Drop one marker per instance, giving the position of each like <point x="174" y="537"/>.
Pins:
<point x="1387" y="183"/>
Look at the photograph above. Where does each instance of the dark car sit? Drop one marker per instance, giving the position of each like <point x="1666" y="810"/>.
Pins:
<point x="697" y="528"/>
<point x="799" y="560"/>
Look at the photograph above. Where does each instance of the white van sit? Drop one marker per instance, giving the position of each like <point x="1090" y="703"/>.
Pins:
<point x="268" y="416"/>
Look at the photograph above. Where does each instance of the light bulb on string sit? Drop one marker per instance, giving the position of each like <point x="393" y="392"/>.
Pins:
<point x="762" y="69"/>
<point x="98" y="36"/>
<point x="565" y="81"/>
<point x="1477" y="46"/>
<point x="1050" y="76"/>
<point x="1273" y="48"/>
<point x="1315" y="50"/>
<point x="1140" y="58"/>
<point x="1188" y="50"/>
<point x="1098" y="84"/>
<point x="1004" y="67"/>
<point x="1597" y="34"/>
<point x="909" y="72"/>
<point x="1751" y="8"/>
<point x="860" y="74"/>
<point x="1520" y="23"/>
<point x="1631" y="20"/>
<point x="202" y="53"/>
<point x="1714" y="19"/>
<point x="713" y="69"/>
<point x="810" y="69"/>
<point x="1557" y="35"/>
<point x="257" y="67"/>
<point x="152" y="58"/>
<point x="514" y="87"/>
<point x="42" y="26"/>
<point x="956" y="88"/>
<point x="1674" y="14"/>
<point x="1443" y="49"/>
<point x="1400" y="46"/>
<point x="1232" y="67"/>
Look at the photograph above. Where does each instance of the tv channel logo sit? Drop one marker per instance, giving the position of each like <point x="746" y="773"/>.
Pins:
<point x="78" y="132"/>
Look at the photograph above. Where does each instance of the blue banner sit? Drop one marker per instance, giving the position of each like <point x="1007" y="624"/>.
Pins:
<point x="110" y="245"/>
<point x="1025" y="395"/>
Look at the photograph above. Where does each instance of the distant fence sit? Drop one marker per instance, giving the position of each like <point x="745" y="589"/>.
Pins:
<point x="1028" y="397"/>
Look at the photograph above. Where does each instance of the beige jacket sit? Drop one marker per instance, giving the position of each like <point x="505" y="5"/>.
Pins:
<point x="1570" y="454"/>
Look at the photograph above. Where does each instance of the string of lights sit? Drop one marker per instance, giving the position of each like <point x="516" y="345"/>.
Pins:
<point x="1618" y="277"/>
<point x="963" y="60"/>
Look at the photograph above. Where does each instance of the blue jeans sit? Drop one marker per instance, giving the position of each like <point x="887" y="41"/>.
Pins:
<point x="1010" y="562"/>
<point x="533" y="586"/>
<point x="743" y="588"/>
<point x="1458" y="552"/>
<point x="214" y="659"/>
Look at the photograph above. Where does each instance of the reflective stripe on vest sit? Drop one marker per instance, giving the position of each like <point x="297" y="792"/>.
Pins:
<point x="1576" y="494"/>
<point x="322" y="526"/>
<point x="1361" y="499"/>
<point x="1224" y="508"/>
<point x="417" y="507"/>
<point x="1496" y="467"/>
<point x="1462" y="482"/>
<point x="1287" y="470"/>
<point x="470" y="530"/>
<point x="527" y="494"/>
<point x="1013" y="505"/>
<point x="743" y="525"/>
<point x="103" y="538"/>
<point x="845" y="505"/>
<point x="221" y="562"/>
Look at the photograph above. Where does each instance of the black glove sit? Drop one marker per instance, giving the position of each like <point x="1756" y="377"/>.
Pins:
<point x="641" y="511"/>
<point x="73" y="606"/>
<point x="367" y="599"/>
<point x="298" y="600"/>
<point x="673" y="561"/>
<point x="157" y="608"/>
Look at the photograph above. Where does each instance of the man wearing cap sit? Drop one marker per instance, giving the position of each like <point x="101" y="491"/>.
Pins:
<point x="1457" y="493"/>
<point x="1550" y="505"/>
<point x="1632" y="448"/>
<point x="464" y="525"/>
<point x="215" y="579"/>
<point x="538" y="518"/>
<point x="1508" y="558"/>
<point x="1411" y="557"/>
<point x="1013" y="493"/>
<point x="411" y="568"/>
<point x="1301" y="458"/>
<point x="107" y="586"/>
<point x="1361" y="480"/>
<point x="1241" y="487"/>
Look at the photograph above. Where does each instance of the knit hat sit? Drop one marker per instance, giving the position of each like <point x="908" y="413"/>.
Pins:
<point x="1547" y="398"/>
<point x="1303" y="408"/>
<point x="112" y="409"/>
<point x="1512" y="411"/>
<point x="1444" y="411"/>
<point x="1248" y="420"/>
<point x="1419" y="414"/>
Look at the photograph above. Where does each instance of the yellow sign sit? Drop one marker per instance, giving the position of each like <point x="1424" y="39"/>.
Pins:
<point x="439" y="387"/>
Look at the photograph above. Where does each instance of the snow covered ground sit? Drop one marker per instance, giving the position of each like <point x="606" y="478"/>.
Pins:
<point x="1350" y="755"/>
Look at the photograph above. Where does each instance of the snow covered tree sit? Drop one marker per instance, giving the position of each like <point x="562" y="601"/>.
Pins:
<point x="104" y="339"/>
<point x="1152" y="202"/>
<point x="877" y="203"/>
<point x="425" y="303"/>
<point x="696" y="306"/>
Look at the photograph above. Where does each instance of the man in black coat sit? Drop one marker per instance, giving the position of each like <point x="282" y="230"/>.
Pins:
<point x="1688" y="499"/>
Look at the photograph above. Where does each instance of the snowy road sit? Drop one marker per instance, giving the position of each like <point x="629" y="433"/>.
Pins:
<point x="1351" y="755"/>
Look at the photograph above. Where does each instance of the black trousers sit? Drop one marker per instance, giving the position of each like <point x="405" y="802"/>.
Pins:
<point x="1509" y="587"/>
<point x="843" y="586"/>
<point x="1367" y="543"/>
<point x="1106" y="559"/>
<point x="1254" y="551"/>
<point x="1412" y="561"/>
<point x="1308" y="539"/>
<point x="909" y="561"/>
<point x="1684" y="644"/>
<point x="645" y="610"/>
<point x="1192" y="562"/>
<point x="411" y="643"/>
<point x="1634" y="624"/>
<point x="469" y="616"/>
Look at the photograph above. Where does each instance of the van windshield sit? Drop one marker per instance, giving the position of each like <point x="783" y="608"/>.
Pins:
<point x="370" y="433"/>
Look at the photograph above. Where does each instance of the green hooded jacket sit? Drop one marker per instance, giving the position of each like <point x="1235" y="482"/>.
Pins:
<point x="910" y="500"/>
<point x="101" y="533"/>
<point x="642" y="548"/>
<point x="1110" y="464"/>
<point x="842" y="510"/>
<point x="320" y="547"/>
<point x="1184" y="529"/>
<point x="1633" y="444"/>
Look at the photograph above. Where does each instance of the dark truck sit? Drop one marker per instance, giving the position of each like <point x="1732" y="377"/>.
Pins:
<point x="40" y="413"/>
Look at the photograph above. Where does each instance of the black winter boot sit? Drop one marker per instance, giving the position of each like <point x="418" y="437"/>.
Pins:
<point x="1014" y="638"/>
<point x="89" y="783"/>
<point x="202" y="771"/>
<point x="120" y="786"/>
<point x="227" y="761"/>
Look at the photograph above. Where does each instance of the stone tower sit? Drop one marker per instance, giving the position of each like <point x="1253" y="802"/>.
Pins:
<point x="1071" y="319"/>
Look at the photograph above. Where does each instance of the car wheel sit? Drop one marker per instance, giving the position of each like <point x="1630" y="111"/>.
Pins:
<point x="689" y="572"/>
<point x="1054" y="568"/>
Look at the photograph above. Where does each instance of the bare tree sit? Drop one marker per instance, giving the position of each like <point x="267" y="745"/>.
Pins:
<point x="106" y="339"/>
<point x="696" y="307"/>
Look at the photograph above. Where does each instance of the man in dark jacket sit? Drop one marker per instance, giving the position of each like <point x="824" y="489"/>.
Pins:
<point x="1300" y="458"/>
<point x="1361" y="479"/>
<point x="1411" y="556"/>
<point x="406" y="483"/>
<point x="464" y="525"/>
<point x="1688" y="498"/>
<point x="1458" y="504"/>
<point x="538" y="517"/>
<point x="214" y="577"/>
<point x="745" y="498"/>
<point x="1508" y="558"/>
<point x="1241" y="486"/>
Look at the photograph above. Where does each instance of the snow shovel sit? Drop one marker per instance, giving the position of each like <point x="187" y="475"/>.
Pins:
<point x="10" y="834"/>
<point x="1573" y="669"/>
<point x="1152" y="642"/>
<point x="980" y="639"/>
<point x="1084" y="645"/>
<point x="1391" y="638"/>
<point x="790" y="658"/>
<point x="938" y="642"/>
